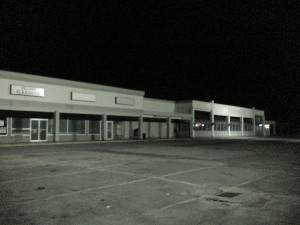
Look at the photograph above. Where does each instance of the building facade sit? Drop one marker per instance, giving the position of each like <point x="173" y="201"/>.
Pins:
<point x="40" y="109"/>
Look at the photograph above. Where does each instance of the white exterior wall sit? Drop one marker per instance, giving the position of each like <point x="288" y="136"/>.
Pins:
<point x="57" y="97"/>
<point x="235" y="133"/>
<point x="234" y="111"/>
<point x="224" y="110"/>
<point x="201" y="106"/>
<point x="62" y="95"/>
<point x="183" y="107"/>
<point x="154" y="130"/>
<point x="157" y="129"/>
<point x="203" y="133"/>
<point x="157" y="105"/>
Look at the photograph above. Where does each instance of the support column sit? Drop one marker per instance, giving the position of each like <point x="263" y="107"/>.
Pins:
<point x="130" y="130"/>
<point x="104" y="127"/>
<point x="242" y="126"/>
<point x="228" y="126"/>
<point x="263" y="126"/>
<point x="56" y="117"/>
<point x="254" y="125"/>
<point x="212" y="119"/>
<point x="169" y="127"/>
<point x="192" y="121"/>
<point x="140" y="127"/>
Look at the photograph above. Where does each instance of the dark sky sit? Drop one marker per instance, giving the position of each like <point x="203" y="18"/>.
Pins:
<point x="244" y="53"/>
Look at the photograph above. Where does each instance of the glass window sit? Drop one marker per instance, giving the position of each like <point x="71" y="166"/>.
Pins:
<point x="3" y="125"/>
<point x="248" y="124"/>
<point x="63" y="126"/>
<point x="50" y="126"/>
<point x="202" y="126"/>
<point x="248" y="127"/>
<point x="235" y="126"/>
<point x="20" y="123"/>
<point x="94" y="127"/>
<point x="183" y="127"/>
<point x="221" y="126"/>
<point x="76" y="127"/>
<point x="20" y="126"/>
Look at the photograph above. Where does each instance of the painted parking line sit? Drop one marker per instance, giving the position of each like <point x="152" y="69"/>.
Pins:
<point x="179" y="203"/>
<point x="178" y="181"/>
<point x="74" y="173"/>
<point x="187" y="171"/>
<point x="86" y="191"/>
<point x="107" y="186"/>
<point x="245" y="183"/>
<point x="42" y="177"/>
<point x="201" y="197"/>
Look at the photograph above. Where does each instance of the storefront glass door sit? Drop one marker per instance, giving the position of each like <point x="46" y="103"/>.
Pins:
<point x="38" y="129"/>
<point x="110" y="130"/>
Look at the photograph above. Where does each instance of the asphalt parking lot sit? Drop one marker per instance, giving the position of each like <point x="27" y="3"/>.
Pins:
<point x="179" y="182"/>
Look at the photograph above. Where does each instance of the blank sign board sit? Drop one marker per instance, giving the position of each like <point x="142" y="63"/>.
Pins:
<point x="83" y="97"/>
<point x="124" y="101"/>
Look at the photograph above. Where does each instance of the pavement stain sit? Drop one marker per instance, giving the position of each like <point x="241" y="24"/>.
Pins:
<point x="40" y="188"/>
<point x="228" y="194"/>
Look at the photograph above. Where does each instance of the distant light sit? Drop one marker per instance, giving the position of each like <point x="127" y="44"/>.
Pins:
<point x="202" y="125"/>
<point x="260" y="125"/>
<point x="267" y="126"/>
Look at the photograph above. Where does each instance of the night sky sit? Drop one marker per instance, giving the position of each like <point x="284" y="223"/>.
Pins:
<point x="244" y="53"/>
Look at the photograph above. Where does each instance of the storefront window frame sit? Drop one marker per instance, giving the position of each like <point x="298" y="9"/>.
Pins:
<point x="12" y="129"/>
<point x="4" y="135"/>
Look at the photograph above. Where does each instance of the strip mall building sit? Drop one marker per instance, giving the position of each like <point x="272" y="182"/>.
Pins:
<point x="40" y="109"/>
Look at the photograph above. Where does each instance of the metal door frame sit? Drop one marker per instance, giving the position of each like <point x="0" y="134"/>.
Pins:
<point x="39" y="129"/>
<point x="112" y="130"/>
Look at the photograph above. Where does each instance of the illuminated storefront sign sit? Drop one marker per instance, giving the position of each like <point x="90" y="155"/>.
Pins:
<point x="28" y="91"/>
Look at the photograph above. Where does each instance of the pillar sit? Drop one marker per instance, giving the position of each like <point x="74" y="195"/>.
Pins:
<point x="228" y="126"/>
<point x="169" y="127"/>
<point x="254" y="125"/>
<point x="242" y="125"/>
<point x="192" y="121"/>
<point x="56" y="117"/>
<point x="140" y="127"/>
<point x="263" y="126"/>
<point x="212" y="119"/>
<point x="104" y="127"/>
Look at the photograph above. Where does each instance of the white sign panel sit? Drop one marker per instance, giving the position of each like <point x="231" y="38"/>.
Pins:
<point x="124" y="101"/>
<point x="2" y="130"/>
<point x="28" y="91"/>
<point x="83" y="97"/>
<point x="1" y="123"/>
